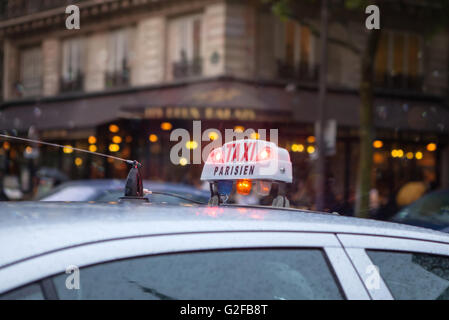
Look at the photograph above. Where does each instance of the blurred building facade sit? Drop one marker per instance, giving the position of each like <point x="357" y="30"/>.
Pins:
<point x="138" y="68"/>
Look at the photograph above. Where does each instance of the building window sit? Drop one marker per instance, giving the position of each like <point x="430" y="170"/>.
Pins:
<point x="30" y="77"/>
<point x="72" y="65"/>
<point x="294" y="51"/>
<point x="118" y="68"/>
<point x="399" y="61"/>
<point x="185" y="53"/>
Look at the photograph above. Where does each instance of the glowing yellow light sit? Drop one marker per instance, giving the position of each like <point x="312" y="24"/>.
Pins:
<point x="92" y="140"/>
<point x="255" y="135"/>
<point x="310" y="149"/>
<point x="92" y="148"/>
<point x="153" y="138"/>
<point x="378" y="144"/>
<point x="192" y="145"/>
<point x="394" y="153"/>
<point x="78" y="161"/>
<point x="28" y="150"/>
<point x="67" y="149"/>
<point x="297" y="147"/>
<point x="213" y="135"/>
<point x="183" y="161"/>
<point x="431" y="147"/>
<point x="239" y="129"/>
<point x="6" y="145"/>
<point x="400" y="153"/>
<point x="166" y="126"/>
<point x="409" y="155"/>
<point x="114" y="147"/>
<point x="311" y="139"/>
<point x="419" y="155"/>
<point x="116" y="139"/>
<point x="114" y="128"/>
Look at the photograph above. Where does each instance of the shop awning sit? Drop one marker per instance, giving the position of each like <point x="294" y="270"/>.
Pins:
<point x="393" y="113"/>
<point x="70" y="114"/>
<point x="219" y="99"/>
<point x="206" y="99"/>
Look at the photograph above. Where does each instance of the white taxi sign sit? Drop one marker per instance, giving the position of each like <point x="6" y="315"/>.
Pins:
<point x="248" y="159"/>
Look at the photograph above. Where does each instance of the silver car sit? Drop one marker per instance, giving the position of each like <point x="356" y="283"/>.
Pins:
<point x="148" y="251"/>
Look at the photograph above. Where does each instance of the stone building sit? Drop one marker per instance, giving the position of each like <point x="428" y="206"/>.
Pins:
<point x="138" y="68"/>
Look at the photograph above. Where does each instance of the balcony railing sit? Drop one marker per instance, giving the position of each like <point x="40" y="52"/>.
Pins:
<point x="302" y="72"/>
<point x="399" y="82"/>
<point x="185" y="69"/>
<point x="118" y="78"/>
<point x="74" y="84"/>
<point x="30" y="87"/>
<point x="17" y="8"/>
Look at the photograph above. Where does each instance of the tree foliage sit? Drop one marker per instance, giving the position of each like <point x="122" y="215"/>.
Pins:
<point x="432" y="17"/>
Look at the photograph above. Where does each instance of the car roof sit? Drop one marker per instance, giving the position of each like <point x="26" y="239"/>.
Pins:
<point x="100" y="185"/>
<point x="119" y="183"/>
<point x="32" y="228"/>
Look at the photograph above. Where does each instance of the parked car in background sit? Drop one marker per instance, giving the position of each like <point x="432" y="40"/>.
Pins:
<point x="106" y="190"/>
<point x="430" y="211"/>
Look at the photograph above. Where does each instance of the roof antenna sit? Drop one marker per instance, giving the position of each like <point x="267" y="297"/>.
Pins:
<point x="133" y="188"/>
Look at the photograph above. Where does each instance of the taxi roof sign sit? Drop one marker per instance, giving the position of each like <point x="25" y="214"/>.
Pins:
<point x="248" y="159"/>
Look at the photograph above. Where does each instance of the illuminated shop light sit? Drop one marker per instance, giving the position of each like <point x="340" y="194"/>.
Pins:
<point x="311" y="139"/>
<point x="113" y="147"/>
<point x="183" y="162"/>
<point x="68" y="149"/>
<point x="114" y="128"/>
<point x="431" y="147"/>
<point x="116" y="139"/>
<point x="377" y="144"/>
<point x="192" y="145"/>
<point x="310" y="149"/>
<point x="166" y="126"/>
<point x="153" y="138"/>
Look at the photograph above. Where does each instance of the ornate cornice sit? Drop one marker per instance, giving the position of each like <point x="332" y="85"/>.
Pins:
<point x="89" y="10"/>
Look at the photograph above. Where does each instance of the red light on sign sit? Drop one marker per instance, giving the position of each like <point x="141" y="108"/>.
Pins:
<point x="265" y="154"/>
<point x="216" y="156"/>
